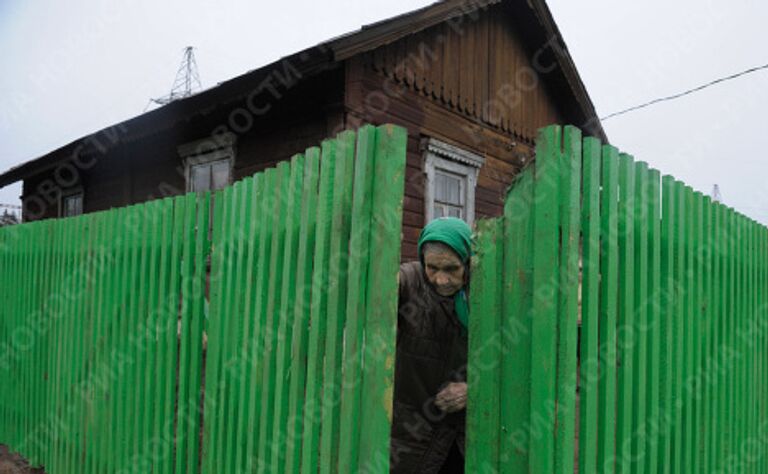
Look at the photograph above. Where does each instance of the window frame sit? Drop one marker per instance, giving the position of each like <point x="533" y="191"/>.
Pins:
<point x="69" y="194"/>
<point x="463" y="184"/>
<point x="441" y="156"/>
<point x="207" y="152"/>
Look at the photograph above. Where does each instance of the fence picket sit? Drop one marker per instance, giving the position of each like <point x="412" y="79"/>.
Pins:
<point x="359" y="260"/>
<point x="515" y="370"/>
<point x="301" y="311"/>
<point x="641" y="325"/>
<point x="241" y="197"/>
<point x="567" y="325"/>
<point x="544" y="309"/>
<point x="625" y="335"/>
<point x="485" y="344"/>
<point x="656" y="345"/>
<point x="588" y="370"/>
<point x="284" y="324"/>
<point x="382" y="287"/>
<point x="607" y="323"/>
<point x="318" y="305"/>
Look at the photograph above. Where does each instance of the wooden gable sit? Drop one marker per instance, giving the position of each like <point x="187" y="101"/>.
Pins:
<point x="476" y="65"/>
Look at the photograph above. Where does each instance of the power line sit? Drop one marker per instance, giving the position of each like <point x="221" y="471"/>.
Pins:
<point x="689" y="91"/>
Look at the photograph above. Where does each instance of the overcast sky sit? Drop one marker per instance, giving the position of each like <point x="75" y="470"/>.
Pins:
<point x="71" y="68"/>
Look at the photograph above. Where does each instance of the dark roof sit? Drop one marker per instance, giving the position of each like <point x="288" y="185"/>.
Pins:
<point x="536" y="20"/>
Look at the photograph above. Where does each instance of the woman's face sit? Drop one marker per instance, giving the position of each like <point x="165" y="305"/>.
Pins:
<point x="444" y="270"/>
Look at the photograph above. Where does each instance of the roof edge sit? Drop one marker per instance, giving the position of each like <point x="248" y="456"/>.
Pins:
<point x="315" y="59"/>
<point x="593" y="124"/>
<point x="386" y="31"/>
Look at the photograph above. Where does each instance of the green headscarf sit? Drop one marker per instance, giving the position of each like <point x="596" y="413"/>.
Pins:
<point x="456" y="234"/>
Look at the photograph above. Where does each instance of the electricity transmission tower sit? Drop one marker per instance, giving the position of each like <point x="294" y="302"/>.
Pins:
<point x="187" y="80"/>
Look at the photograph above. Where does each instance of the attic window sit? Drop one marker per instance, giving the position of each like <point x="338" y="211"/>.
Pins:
<point x="208" y="163"/>
<point x="451" y="180"/>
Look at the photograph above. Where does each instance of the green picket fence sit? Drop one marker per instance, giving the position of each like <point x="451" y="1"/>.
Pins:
<point x="92" y="308"/>
<point x="308" y="381"/>
<point x="146" y="339"/>
<point x="620" y="323"/>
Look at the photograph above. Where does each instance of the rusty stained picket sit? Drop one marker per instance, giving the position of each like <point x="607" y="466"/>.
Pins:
<point x="131" y="340"/>
<point x="620" y="323"/>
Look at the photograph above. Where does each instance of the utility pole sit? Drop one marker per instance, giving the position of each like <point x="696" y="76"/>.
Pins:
<point x="187" y="80"/>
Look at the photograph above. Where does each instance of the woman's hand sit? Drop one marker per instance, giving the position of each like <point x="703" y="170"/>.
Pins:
<point x="452" y="398"/>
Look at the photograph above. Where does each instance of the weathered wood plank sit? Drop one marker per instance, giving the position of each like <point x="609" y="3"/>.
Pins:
<point x="381" y="317"/>
<point x="567" y="312"/>
<point x="485" y="344"/>
<point x="515" y="376"/>
<point x="545" y="301"/>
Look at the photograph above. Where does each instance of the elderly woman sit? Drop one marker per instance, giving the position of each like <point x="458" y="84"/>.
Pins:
<point x="430" y="370"/>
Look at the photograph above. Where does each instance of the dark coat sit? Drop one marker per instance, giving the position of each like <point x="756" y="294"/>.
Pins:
<point x="431" y="352"/>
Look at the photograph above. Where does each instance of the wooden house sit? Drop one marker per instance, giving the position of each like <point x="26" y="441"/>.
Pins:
<point x="471" y="80"/>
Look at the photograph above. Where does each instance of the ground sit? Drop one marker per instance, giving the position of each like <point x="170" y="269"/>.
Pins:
<point x="15" y="464"/>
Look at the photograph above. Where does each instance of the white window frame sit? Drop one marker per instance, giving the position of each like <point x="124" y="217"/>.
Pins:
<point x="454" y="160"/>
<point x="207" y="151"/>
